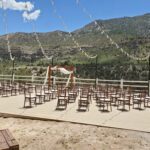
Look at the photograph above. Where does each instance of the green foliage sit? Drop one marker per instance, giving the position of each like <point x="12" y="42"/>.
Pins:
<point x="131" y="33"/>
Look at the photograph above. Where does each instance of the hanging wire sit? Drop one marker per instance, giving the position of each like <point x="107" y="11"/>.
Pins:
<point x="6" y="32"/>
<point x="100" y="28"/>
<point x="39" y="43"/>
<point x="70" y="34"/>
<point x="37" y="38"/>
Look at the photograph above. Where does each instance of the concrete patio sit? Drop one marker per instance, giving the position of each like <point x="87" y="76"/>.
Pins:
<point x="133" y="119"/>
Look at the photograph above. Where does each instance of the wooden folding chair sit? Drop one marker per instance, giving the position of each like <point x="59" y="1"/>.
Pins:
<point x="72" y="95"/>
<point x="40" y="96"/>
<point x="6" y="90"/>
<point x="105" y="102"/>
<point x="29" y="97"/>
<point x="48" y="93"/>
<point x="62" y="99"/>
<point x="84" y="101"/>
<point x="139" y="100"/>
<point x="123" y="100"/>
<point x="15" y="89"/>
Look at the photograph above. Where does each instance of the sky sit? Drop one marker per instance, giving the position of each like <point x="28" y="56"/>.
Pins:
<point x="72" y="14"/>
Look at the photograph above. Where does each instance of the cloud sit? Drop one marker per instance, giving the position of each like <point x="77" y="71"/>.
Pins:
<point x="13" y="5"/>
<point x="31" y="16"/>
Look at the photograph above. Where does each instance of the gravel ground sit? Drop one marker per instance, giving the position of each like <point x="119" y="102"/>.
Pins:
<point x="48" y="135"/>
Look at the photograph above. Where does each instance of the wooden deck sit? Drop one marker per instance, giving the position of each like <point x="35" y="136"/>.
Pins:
<point x="133" y="119"/>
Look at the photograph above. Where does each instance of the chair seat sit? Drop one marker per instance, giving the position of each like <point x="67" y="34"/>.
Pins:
<point x="54" y="90"/>
<point x="48" y="92"/>
<point x="30" y="96"/>
<point x="115" y="96"/>
<point x="147" y="97"/>
<point x="122" y="99"/>
<point x="107" y="100"/>
<point x="139" y="99"/>
<point x="62" y="97"/>
<point x="40" y="94"/>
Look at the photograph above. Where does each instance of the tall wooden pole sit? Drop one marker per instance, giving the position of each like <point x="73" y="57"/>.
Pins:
<point x="72" y="76"/>
<point x="52" y="71"/>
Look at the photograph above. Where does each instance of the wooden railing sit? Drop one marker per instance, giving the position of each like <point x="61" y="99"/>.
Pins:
<point x="78" y="81"/>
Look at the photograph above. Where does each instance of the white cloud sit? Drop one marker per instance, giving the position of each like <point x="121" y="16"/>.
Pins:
<point x="31" y="16"/>
<point x="13" y="5"/>
<point x="21" y="6"/>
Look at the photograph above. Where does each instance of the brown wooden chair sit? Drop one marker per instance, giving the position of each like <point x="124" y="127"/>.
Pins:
<point x="114" y="96"/>
<point x="83" y="103"/>
<point x="139" y="100"/>
<point x="21" y="88"/>
<point x="86" y="92"/>
<point x="147" y="101"/>
<point x="1" y="88"/>
<point x="15" y="89"/>
<point x="62" y="99"/>
<point x="29" y="97"/>
<point x="84" y="100"/>
<point x="48" y="93"/>
<point x="105" y="102"/>
<point x="98" y="96"/>
<point x="54" y="92"/>
<point x="40" y="96"/>
<point x="6" y="90"/>
<point x="123" y="100"/>
<point x="72" y="95"/>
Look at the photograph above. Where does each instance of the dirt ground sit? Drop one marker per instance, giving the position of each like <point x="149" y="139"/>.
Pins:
<point x="48" y="135"/>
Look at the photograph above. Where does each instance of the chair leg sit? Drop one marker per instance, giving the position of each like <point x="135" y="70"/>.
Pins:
<point x="110" y="106"/>
<point x="35" y="101"/>
<point x="24" y="102"/>
<point x="30" y="102"/>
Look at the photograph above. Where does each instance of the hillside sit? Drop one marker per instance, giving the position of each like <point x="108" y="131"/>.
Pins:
<point x="131" y="33"/>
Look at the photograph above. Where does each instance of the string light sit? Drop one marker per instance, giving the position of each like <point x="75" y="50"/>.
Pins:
<point x="38" y="40"/>
<point x="40" y="45"/>
<point x="103" y="32"/>
<point x="7" y="35"/>
<point x="66" y="28"/>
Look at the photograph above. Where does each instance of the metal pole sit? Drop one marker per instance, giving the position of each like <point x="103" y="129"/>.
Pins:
<point x="13" y="71"/>
<point x="52" y="61"/>
<point x="96" y="71"/>
<point x="149" y="77"/>
<point x="52" y="71"/>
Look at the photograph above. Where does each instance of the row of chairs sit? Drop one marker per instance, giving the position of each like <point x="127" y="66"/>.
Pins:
<point x="109" y="96"/>
<point x="105" y="97"/>
<point x="38" y="94"/>
<point x="66" y="96"/>
<point x="121" y="99"/>
<point x="8" y="89"/>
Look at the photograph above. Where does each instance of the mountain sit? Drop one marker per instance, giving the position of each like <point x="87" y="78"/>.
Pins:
<point x="131" y="33"/>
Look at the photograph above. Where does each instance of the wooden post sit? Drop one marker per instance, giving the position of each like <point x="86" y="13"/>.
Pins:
<point x="52" y="71"/>
<point x="72" y="76"/>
